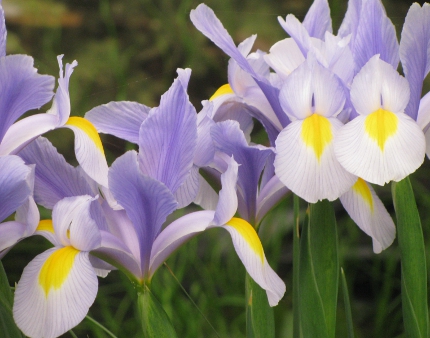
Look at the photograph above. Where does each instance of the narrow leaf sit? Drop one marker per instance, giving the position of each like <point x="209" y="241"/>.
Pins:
<point x="413" y="260"/>
<point x="296" y="262"/>
<point x="8" y="327"/>
<point x="155" y="321"/>
<point x="260" y="322"/>
<point x="319" y="272"/>
<point x="347" y="305"/>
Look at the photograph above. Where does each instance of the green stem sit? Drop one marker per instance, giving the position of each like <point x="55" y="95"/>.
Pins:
<point x="296" y="265"/>
<point x="101" y="326"/>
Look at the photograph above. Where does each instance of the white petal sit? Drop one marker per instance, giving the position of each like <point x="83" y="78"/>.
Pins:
<point x="89" y="149"/>
<point x="250" y="251"/>
<point x="402" y="153"/>
<point x="43" y="311"/>
<point x="368" y="212"/>
<point x="284" y="57"/>
<point x="308" y="175"/>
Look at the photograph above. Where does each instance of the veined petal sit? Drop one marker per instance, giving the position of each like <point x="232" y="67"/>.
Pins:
<point x="317" y="20"/>
<point x="147" y="201"/>
<point x="121" y="119"/>
<point x="305" y="161"/>
<point x="167" y="138"/>
<point x="350" y="22"/>
<point x="89" y="149"/>
<point x="22" y="89"/>
<point x="45" y="228"/>
<point x="28" y="214"/>
<point x="54" y="177"/>
<point x="206" y="197"/>
<point x="368" y="212"/>
<point x="250" y="251"/>
<point x="73" y="223"/>
<point x="188" y="190"/>
<point x="375" y="35"/>
<point x="55" y="292"/>
<point x="382" y="157"/>
<point x="24" y="131"/>
<point x="415" y="52"/>
<point x="14" y="187"/>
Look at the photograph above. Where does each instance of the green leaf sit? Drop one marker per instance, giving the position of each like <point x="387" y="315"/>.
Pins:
<point x="413" y="260"/>
<point x="260" y="322"/>
<point x="155" y="321"/>
<point x="8" y="327"/>
<point x="296" y="268"/>
<point x="319" y="272"/>
<point x="347" y="305"/>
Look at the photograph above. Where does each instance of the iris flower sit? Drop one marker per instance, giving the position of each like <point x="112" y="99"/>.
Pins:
<point x="58" y="286"/>
<point x="146" y="185"/>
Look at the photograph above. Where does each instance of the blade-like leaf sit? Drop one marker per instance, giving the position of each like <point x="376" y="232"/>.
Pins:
<point x="296" y="270"/>
<point x="347" y="305"/>
<point x="8" y="327"/>
<point x="155" y="321"/>
<point x="413" y="260"/>
<point x="260" y="322"/>
<point x="319" y="272"/>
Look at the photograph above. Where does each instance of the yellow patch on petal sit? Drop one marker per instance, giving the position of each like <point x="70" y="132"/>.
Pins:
<point x="224" y="89"/>
<point x="360" y="187"/>
<point x="57" y="268"/>
<point x="248" y="233"/>
<point x="381" y="125"/>
<point x="88" y="128"/>
<point x="45" y="225"/>
<point x="316" y="133"/>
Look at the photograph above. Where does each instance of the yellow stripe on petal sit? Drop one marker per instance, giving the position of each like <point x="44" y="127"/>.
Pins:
<point x="361" y="188"/>
<point x="45" y="225"/>
<point x="223" y="90"/>
<point x="316" y="133"/>
<point x="88" y="128"/>
<point x="57" y="268"/>
<point x="248" y="233"/>
<point x="381" y="125"/>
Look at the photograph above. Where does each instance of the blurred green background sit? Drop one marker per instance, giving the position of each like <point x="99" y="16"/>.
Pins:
<point x="130" y="50"/>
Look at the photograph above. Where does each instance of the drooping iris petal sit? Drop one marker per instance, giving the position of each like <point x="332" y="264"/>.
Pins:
<point x="121" y="119"/>
<point x="381" y="148"/>
<point x="146" y="201"/>
<point x="375" y="35"/>
<point x="305" y="161"/>
<point x="250" y="251"/>
<point x="317" y="20"/>
<point x="22" y="89"/>
<point x="45" y="228"/>
<point x="368" y="212"/>
<point x="415" y="52"/>
<point x="54" y="177"/>
<point x="89" y="149"/>
<point x="14" y="187"/>
<point x="55" y="292"/>
<point x="167" y="138"/>
<point x="383" y="143"/>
